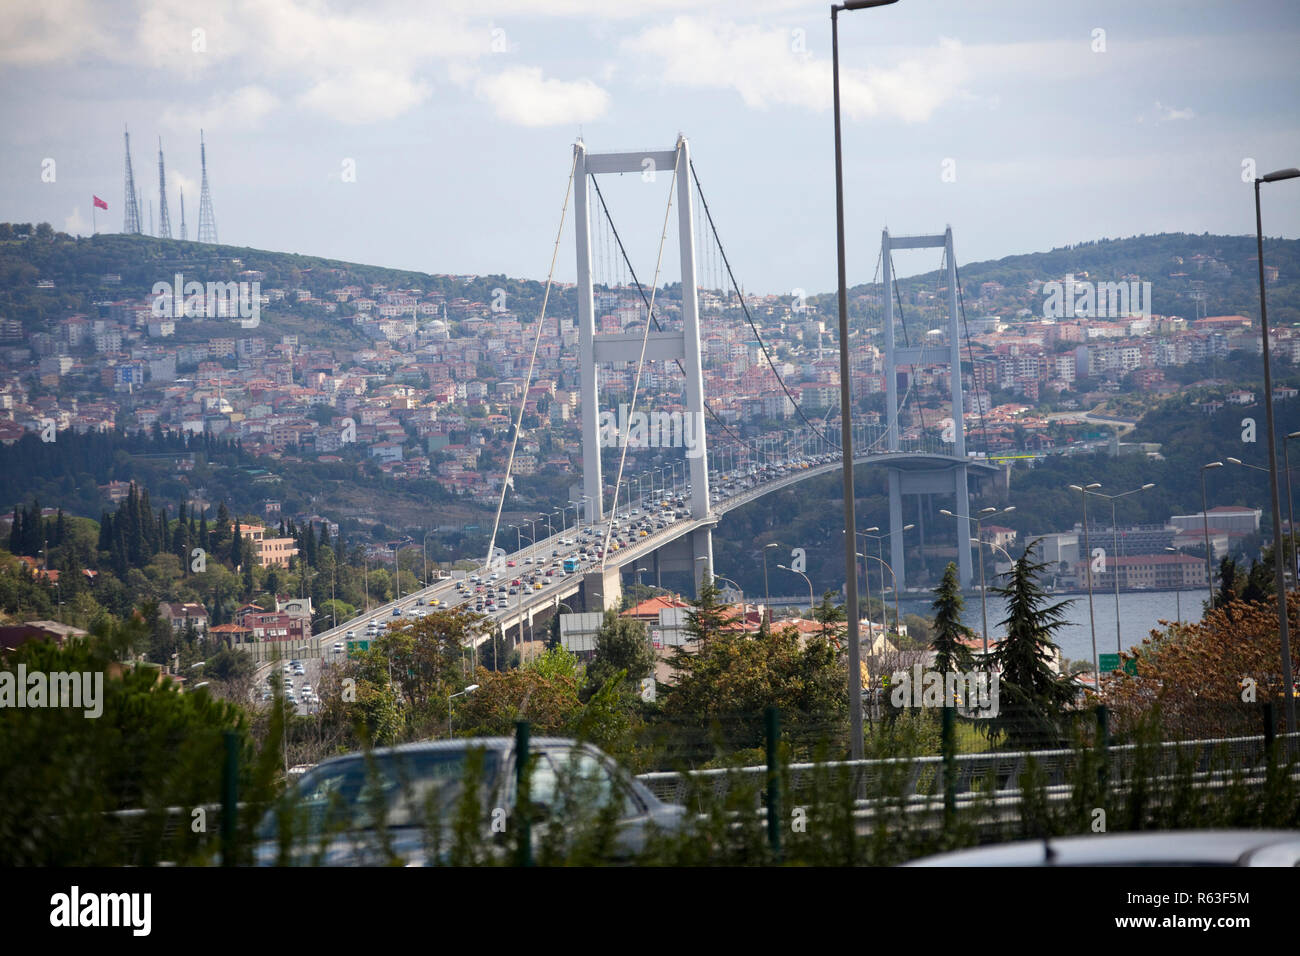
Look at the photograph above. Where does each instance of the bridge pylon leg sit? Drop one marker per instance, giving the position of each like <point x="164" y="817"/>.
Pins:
<point x="896" y="549"/>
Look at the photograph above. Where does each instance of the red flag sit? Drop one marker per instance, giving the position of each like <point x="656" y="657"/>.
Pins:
<point x="100" y="203"/>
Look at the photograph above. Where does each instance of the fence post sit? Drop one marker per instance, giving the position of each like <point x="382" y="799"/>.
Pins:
<point x="523" y="801"/>
<point x="949" y="763"/>
<point x="772" y="718"/>
<point x="1270" y="727"/>
<point x="229" y="798"/>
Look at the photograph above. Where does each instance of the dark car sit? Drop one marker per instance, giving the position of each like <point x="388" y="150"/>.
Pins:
<point x="399" y="804"/>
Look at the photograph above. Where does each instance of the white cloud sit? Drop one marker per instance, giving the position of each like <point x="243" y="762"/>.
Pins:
<point x="1169" y="113"/>
<point x="53" y="32"/>
<point x="77" y="224"/>
<point x="524" y="96"/>
<point x="244" y="108"/>
<point x="365" y="95"/>
<point x="767" y="68"/>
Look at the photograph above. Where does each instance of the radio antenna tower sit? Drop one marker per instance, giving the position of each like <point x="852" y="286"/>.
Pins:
<point x="184" y="236"/>
<point x="164" y="221"/>
<point x="151" y="232"/>
<point x="131" y="204"/>
<point x="207" y="221"/>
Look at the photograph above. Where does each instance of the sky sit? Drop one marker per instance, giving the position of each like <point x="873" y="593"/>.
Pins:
<point x="438" y="136"/>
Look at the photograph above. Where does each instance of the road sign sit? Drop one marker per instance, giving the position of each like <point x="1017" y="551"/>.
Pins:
<point x="1108" y="663"/>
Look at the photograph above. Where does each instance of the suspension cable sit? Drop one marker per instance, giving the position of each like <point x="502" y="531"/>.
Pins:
<point x="640" y="366"/>
<point x="532" y="362"/>
<point x="748" y="318"/>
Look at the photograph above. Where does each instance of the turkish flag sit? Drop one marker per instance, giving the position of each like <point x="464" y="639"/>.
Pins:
<point x="100" y="203"/>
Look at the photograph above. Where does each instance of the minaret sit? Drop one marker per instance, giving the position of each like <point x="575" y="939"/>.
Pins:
<point x="164" y="221"/>
<point x="207" y="221"/>
<point x="131" y="204"/>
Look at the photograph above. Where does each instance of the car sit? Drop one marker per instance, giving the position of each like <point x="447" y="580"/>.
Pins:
<point x="1150" y="848"/>
<point x="397" y="612"/>
<point x="334" y="809"/>
<point x="339" y="646"/>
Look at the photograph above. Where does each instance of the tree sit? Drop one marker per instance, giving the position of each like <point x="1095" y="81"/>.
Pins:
<point x="831" y="615"/>
<point x="950" y="654"/>
<point x="1032" y="696"/>
<point x="707" y="615"/>
<point x="621" y="646"/>
<point x="1207" y="678"/>
<point x="733" y="677"/>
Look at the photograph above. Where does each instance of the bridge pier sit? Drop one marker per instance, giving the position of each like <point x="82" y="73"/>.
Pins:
<point x="603" y="589"/>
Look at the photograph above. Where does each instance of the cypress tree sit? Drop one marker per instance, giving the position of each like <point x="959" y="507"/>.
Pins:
<point x="1032" y="696"/>
<point x="950" y="654"/>
<point x="105" y="532"/>
<point x="237" y="546"/>
<point x="16" y="533"/>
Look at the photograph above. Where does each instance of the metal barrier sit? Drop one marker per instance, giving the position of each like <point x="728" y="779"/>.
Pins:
<point x="1210" y="761"/>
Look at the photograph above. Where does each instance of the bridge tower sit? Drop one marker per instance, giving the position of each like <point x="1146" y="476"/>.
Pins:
<point x="935" y="476"/>
<point x="682" y="345"/>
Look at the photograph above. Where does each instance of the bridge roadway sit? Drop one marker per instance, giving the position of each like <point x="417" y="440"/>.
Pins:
<point x="549" y="553"/>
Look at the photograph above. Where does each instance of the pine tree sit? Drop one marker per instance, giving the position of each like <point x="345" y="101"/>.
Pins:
<point x="16" y="533"/>
<point x="831" y="615"/>
<point x="950" y="654"/>
<point x="1229" y="586"/>
<point x="1032" y="696"/>
<point x="706" y="616"/>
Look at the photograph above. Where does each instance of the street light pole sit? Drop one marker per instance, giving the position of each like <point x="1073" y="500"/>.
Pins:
<point x="767" y="595"/>
<point x="1087" y="561"/>
<point x="1114" y="527"/>
<point x="1178" y="590"/>
<point x="979" y="519"/>
<point x="1205" y="516"/>
<point x="811" y="603"/>
<point x="1288" y="686"/>
<point x="1290" y="505"/>
<point x="846" y="409"/>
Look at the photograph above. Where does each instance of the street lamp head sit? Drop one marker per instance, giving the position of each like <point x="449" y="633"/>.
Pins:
<point x="945" y="511"/>
<point x="1235" y="461"/>
<point x="864" y="4"/>
<point x="987" y="511"/>
<point x="1213" y="464"/>
<point x="1272" y="177"/>
<point x="783" y="567"/>
<point x="771" y="545"/>
<point x="471" y="688"/>
<point x="1095" y="484"/>
<point x="871" y="529"/>
<point x="908" y="527"/>
<point x="1008" y="508"/>
<point x="1148" y="485"/>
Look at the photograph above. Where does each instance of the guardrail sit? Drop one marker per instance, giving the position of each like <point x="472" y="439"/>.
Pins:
<point x="922" y="779"/>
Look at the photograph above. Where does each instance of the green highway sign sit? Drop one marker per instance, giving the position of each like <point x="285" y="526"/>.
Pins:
<point x="1110" y="662"/>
